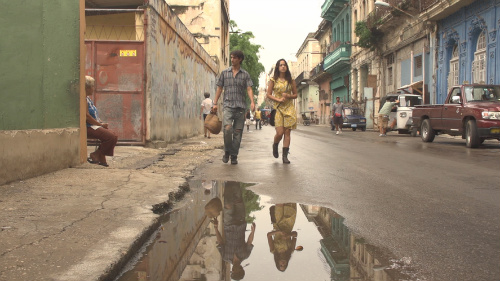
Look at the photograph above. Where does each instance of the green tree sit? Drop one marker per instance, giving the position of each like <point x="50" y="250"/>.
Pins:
<point x="239" y="40"/>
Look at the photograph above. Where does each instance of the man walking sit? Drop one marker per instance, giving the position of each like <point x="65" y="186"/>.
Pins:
<point x="234" y="81"/>
<point x="338" y="111"/>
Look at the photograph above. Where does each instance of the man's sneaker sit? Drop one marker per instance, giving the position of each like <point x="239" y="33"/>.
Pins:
<point x="382" y="135"/>
<point x="234" y="159"/>
<point x="225" y="158"/>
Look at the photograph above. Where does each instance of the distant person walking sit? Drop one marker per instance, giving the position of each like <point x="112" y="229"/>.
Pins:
<point x="206" y="106"/>
<point x="257" y="117"/>
<point x="383" y="115"/>
<point x="338" y="112"/>
<point x="234" y="81"/>
<point x="282" y="90"/>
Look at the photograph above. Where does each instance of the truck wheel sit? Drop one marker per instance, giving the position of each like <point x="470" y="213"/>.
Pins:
<point x="427" y="132"/>
<point x="354" y="129"/>
<point x="363" y="129"/>
<point x="471" y="135"/>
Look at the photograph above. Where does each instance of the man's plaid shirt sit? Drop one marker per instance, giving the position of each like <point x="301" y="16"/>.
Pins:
<point x="235" y="88"/>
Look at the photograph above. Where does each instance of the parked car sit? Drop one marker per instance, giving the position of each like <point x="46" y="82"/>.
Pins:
<point x="352" y="119"/>
<point x="471" y="111"/>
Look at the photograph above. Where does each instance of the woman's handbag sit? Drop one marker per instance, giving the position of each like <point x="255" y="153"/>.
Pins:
<point x="271" y="118"/>
<point x="212" y="122"/>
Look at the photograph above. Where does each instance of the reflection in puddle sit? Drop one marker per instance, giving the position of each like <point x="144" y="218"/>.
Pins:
<point x="227" y="232"/>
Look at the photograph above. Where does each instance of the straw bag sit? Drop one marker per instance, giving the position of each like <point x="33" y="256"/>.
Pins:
<point x="212" y="122"/>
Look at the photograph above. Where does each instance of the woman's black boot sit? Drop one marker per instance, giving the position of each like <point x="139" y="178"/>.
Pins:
<point x="285" y="155"/>
<point x="275" y="150"/>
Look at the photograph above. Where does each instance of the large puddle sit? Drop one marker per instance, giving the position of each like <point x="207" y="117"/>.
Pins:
<point x="227" y="232"/>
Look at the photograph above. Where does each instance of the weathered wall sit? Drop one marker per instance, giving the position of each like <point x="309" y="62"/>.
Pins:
<point x="39" y="82"/>
<point x="208" y="21"/>
<point x="29" y="153"/>
<point x="40" y="65"/>
<point x="179" y="71"/>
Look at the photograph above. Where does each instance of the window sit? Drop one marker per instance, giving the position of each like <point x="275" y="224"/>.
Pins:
<point x="417" y="66"/>
<point x="479" y="63"/>
<point x="454" y="68"/>
<point x="389" y="76"/>
<point x="390" y="59"/>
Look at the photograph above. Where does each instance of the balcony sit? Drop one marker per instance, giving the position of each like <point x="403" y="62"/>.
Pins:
<point x="331" y="8"/>
<point x="303" y="77"/>
<point x="337" y="59"/>
<point x="413" y="7"/>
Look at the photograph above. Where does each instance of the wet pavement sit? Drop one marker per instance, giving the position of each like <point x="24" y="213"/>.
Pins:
<point x="224" y="231"/>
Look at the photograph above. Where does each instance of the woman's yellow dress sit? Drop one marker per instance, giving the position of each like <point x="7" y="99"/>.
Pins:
<point x="285" y="219"/>
<point x="286" y="115"/>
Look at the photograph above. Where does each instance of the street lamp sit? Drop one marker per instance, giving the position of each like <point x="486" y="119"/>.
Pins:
<point x="385" y="4"/>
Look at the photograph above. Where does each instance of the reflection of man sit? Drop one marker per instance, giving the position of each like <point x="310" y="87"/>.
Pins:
<point x="233" y="247"/>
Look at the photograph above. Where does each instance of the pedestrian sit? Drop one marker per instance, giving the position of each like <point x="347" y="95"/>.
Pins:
<point x="383" y="115"/>
<point x="338" y="112"/>
<point x="97" y="129"/>
<point x="206" y="106"/>
<point x="248" y="120"/>
<point x="282" y="90"/>
<point x="257" y="117"/>
<point x="234" y="81"/>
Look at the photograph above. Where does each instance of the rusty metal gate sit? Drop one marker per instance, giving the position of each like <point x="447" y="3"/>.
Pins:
<point x="118" y="68"/>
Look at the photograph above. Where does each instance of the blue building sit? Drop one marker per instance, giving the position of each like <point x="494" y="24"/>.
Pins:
<point x="466" y="47"/>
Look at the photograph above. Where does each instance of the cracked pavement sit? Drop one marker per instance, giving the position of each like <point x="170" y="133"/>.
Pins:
<point x="84" y="223"/>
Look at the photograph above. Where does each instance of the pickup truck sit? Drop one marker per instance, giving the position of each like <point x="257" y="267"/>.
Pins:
<point x="470" y="110"/>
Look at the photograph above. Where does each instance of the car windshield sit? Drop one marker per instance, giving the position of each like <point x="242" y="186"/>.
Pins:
<point x="483" y="93"/>
<point x="351" y="111"/>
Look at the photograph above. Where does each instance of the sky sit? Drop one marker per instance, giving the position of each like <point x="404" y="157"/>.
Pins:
<point x="279" y="26"/>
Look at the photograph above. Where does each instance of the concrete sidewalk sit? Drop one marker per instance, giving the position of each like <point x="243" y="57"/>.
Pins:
<point x="84" y="223"/>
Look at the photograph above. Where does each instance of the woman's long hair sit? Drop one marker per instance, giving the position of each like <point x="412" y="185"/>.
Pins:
<point x="288" y="74"/>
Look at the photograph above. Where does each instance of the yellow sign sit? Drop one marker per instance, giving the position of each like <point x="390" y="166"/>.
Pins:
<point x="128" y="53"/>
<point x="495" y="131"/>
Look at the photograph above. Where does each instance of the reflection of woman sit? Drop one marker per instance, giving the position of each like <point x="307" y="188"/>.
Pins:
<point x="282" y="91"/>
<point x="96" y="129"/>
<point x="282" y="239"/>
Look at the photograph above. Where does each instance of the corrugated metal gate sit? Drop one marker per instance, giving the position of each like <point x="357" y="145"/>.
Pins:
<point x="118" y="68"/>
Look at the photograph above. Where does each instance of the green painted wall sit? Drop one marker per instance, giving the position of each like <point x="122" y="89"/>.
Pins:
<point x="39" y="69"/>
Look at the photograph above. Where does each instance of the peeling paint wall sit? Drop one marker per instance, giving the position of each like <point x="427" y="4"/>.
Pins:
<point x="208" y="21"/>
<point x="179" y="71"/>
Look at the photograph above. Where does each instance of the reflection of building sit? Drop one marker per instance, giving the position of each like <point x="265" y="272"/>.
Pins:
<point x="335" y="242"/>
<point x="348" y="255"/>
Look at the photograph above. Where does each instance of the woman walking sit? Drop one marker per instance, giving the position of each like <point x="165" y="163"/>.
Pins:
<point x="282" y="90"/>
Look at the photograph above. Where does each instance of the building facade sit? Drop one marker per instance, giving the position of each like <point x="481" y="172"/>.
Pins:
<point x="318" y="75"/>
<point x="208" y="21"/>
<point x="308" y="56"/>
<point x="466" y="46"/>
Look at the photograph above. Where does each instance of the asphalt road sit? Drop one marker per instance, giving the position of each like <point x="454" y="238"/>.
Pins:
<point x="437" y="203"/>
